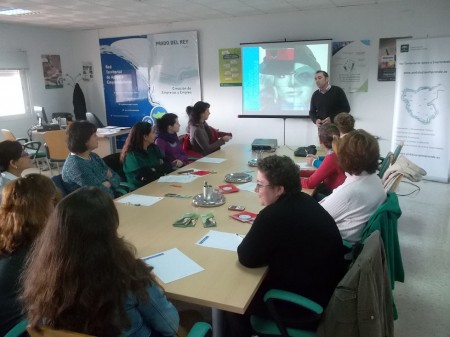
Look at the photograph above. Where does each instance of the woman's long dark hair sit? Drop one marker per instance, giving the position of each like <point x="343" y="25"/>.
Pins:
<point x="163" y="123"/>
<point x="195" y="111"/>
<point x="135" y="139"/>
<point x="79" y="270"/>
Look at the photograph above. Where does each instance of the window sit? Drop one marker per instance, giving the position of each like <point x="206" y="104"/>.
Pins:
<point x="14" y="95"/>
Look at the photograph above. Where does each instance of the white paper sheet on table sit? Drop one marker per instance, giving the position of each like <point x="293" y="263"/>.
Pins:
<point x="139" y="200"/>
<point x="250" y="186"/>
<point x="305" y="166"/>
<point x="221" y="240"/>
<point x="181" y="178"/>
<point x="210" y="160"/>
<point x="172" y="265"/>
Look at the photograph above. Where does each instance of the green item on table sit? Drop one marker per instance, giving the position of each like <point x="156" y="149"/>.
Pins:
<point x="186" y="220"/>
<point x="208" y="220"/>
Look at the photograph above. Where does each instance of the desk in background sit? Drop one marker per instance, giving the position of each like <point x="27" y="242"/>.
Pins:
<point x="224" y="284"/>
<point x="107" y="140"/>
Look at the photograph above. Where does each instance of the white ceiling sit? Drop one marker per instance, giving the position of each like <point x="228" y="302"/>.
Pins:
<point x="71" y="15"/>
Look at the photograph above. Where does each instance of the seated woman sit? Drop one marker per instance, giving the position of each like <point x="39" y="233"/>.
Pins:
<point x="26" y="205"/>
<point x="295" y="237"/>
<point x="329" y="175"/>
<point x="142" y="160"/>
<point x="84" y="167"/>
<point x="352" y="204"/>
<point x="204" y="139"/>
<point x="93" y="283"/>
<point x="167" y="140"/>
<point x="13" y="161"/>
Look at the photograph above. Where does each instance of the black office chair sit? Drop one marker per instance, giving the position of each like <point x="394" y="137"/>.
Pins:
<point x="114" y="163"/>
<point x="64" y="187"/>
<point x="90" y="117"/>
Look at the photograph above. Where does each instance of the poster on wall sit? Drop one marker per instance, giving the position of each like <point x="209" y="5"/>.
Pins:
<point x="51" y="65"/>
<point x="387" y="57"/>
<point x="421" y="115"/>
<point x="349" y="68"/>
<point x="88" y="73"/>
<point x="148" y="75"/>
<point x="230" y="68"/>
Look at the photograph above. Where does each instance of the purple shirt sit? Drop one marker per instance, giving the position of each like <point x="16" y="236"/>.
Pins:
<point x="172" y="148"/>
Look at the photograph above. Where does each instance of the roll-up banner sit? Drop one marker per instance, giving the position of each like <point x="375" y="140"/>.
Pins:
<point x="422" y="101"/>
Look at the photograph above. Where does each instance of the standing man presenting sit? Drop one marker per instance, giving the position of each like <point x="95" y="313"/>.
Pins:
<point x="327" y="101"/>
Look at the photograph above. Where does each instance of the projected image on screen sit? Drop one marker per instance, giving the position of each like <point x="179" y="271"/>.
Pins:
<point x="278" y="78"/>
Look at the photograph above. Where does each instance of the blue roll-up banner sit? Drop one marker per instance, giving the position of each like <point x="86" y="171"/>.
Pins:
<point x="148" y="75"/>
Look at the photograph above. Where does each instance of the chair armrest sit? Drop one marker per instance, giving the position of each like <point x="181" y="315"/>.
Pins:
<point x="18" y="329"/>
<point x="22" y="140"/>
<point x="126" y="186"/>
<point x="347" y="244"/>
<point x="287" y="296"/>
<point x="200" y="329"/>
<point x="33" y="145"/>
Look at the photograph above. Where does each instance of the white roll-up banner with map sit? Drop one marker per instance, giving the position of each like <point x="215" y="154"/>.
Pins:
<point x="422" y="104"/>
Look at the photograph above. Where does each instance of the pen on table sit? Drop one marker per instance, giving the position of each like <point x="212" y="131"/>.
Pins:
<point x="239" y="236"/>
<point x="204" y="239"/>
<point x="186" y="171"/>
<point x="153" y="256"/>
<point x="173" y="185"/>
<point x="130" y="203"/>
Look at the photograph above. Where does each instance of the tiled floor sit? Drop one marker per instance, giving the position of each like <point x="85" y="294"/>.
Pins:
<point x="423" y="301"/>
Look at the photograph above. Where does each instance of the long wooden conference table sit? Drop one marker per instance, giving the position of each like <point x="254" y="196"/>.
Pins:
<point x="224" y="284"/>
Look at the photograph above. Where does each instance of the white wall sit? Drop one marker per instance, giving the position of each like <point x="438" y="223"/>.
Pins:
<point x="373" y="110"/>
<point x="36" y="42"/>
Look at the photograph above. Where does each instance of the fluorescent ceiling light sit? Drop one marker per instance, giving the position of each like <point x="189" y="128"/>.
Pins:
<point x="15" y="11"/>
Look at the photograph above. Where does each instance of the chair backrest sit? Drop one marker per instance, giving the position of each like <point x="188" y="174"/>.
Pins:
<point x="385" y="220"/>
<point x="397" y="151"/>
<point x="47" y="332"/>
<point x="187" y="148"/>
<point x="387" y="161"/>
<point x="56" y="145"/>
<point x="8" y="135"/>
<point x="32" y="149"/>
<point x="90" y="117"/>
<point x="64" y="187"/>
<point x="114" y="163"/>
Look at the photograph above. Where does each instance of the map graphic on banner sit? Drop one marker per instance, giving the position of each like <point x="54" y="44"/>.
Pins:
<point x="349" y="65"/>
<point x="421" y="116"/>
<point x="148" y="75"/>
